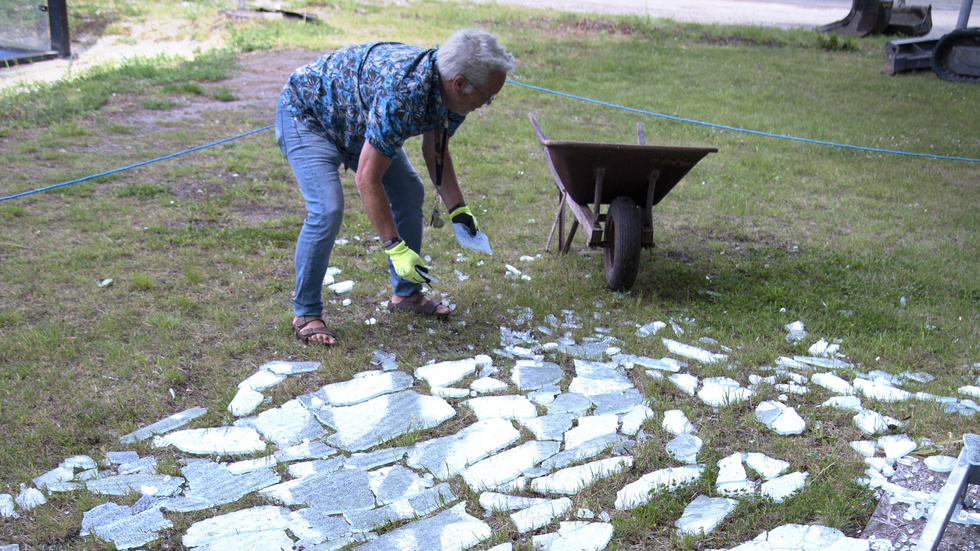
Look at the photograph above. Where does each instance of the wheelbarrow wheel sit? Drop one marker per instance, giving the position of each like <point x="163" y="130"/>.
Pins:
<point x="623" y="236"/>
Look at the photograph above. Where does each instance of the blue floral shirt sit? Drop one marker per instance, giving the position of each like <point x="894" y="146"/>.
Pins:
<point x="381" y="92"/>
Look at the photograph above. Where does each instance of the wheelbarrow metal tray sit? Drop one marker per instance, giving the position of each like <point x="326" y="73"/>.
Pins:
<point x="627" y="167"/>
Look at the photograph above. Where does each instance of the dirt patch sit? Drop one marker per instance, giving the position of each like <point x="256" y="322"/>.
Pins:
<point x="569" y="25"/>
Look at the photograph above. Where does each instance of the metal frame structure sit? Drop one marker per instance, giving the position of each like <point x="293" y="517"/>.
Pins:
<point x="60" y="43"/>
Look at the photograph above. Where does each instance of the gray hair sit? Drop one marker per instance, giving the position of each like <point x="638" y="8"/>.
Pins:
<point x="475" y="54"/>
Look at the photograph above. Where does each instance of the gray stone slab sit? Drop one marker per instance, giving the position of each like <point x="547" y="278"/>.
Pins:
<point x="575" y="403"/>
<point x="685" y="448"/>
<point x="506" y="466"/>
<point x="304" y="450"/>
<point x="767" y="467"/>
<point x="493" y="501"/>
<point x="248" y="529"/>
<point x="164" y="425"/>
<point x="123" y="528"/>
<point x="506" y="407"/>
<point x="686" y="382"/>
<point x="395" y="483"/>
<point x="290" y="368"/>
<point x="451" y="530"/>
<point x="487" y="385"/>
<point x="572" y="480"/>
<point x="214" y="441"/>
<point x="416" y="506"/>
<point x="212" y="484"/>
<point x="591" y="427"/>
<point x="313" y="527"/>
<point x="778" y="489"/>
<point x="703" y="514"/>
<point x="843" y="402"/>
<point x="732" y="479"/>
<point x="617" y="402"/>
<point x="146" y="465"/>
<point x="446" y="373"/>
<point x="261" y="380"/>
<point x="639" y="493"/>
<point x="940" y="463"/>
<point x="377" y="458"/>
<point x="632" y="421"/>
<point x="581" y="536"/>
<point x="317" y="466"/>
<point x="330" y="493"/>
<point x="286" y="425"/>
<point x="693" y="352"/>
<point x="798" y="536"/>
<point x="150" y="484"/>
<point x="722" y="391"/>
<point x="536" y="516"/>
<point x="53" y="478"/>
<point x="530" y="375"/>
<point x="364" y="386"/>
<point x="449" y="455"/>
<point x="676" y="422"/>
<point x="896" y="445"/>
<point x="587" y="450"/>
<point x="376" y="421"/>
<point x="882" y="392"/>
<point x="549" y="427"/>
<point x="245" y="402"/>
<point x="7" y="506"/>
<point x="779" y="417"/>
<point x="833" y="383"/>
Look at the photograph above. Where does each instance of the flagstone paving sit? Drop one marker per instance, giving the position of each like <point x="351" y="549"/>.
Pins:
<point x="346" y="484"/>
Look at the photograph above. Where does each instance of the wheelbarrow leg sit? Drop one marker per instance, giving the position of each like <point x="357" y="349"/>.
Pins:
<point x="558" y="223"/>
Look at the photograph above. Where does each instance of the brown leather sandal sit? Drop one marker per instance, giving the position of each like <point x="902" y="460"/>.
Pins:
<point x="413" y="303"/>
<point x="304" y="333"/>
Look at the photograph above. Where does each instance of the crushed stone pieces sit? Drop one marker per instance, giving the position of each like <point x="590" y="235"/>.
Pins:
<point x="164" y="425"/>
<point x="940" y="463"/>
<point x="345" y="481"/>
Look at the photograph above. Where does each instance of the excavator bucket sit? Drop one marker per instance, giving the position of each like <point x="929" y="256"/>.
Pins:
<point x="910" y="20"/>
<point x="866" y="17"/>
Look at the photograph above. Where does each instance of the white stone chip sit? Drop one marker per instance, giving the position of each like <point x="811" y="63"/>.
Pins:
<point x="833" y="383"/>
<point x="214" y="441"/>
<point x="245" y="402"/>
<point x="940" y="463"/>
<point x="703" y="514"/>
<point x="693" y="352"/>
<point x="722" y="391"/>
<point x="896" y="445"/>
<point x="685" y="448"/>
<point x="867" y="448"/>
<point x="535" y="375"/>
<point x="778" y="489"/>
<point x="970" y="390"/>
<point x="549" y="427"/>
<point x="262" y="379"/>
<point x="450" y="530"/>
<point x="366" y="385"/>
<point x="639" y="493"/>
<point x="767" y="467"/>
<point x="7" y="506"/>
<point x="781" y="418"/>
<point x="871" y="422"/>
<point x="446" y="373"/>
<point x="29" y="498"/>
<point x="539" y="515"/>
<point x="368" y="424"/>
<point x="486" y="385"/>
<point x="633" y="420"/>
<point x="290" y="368"/>
<point x="591" y="427"/>
<point x="449" y="455"/>
<point x="506" y="407"/>
<point x="164" y="425"/>
<point x="685" y="381"/>
<point x="732" y="479"/>
<point x="649" y="329"/>
<point x="843" y="402"/>
<point x="493" y="501"/>
<point x="572" y="480"/>
<point x="877" y="391"/>
<point x="582" y="536"/>
<point x="248" y="526"/>
<point x="675" y="422"/>
<point x="506" y="466"/>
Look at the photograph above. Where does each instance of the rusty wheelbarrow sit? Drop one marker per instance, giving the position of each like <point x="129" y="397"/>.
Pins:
<point x="629" y="178"/>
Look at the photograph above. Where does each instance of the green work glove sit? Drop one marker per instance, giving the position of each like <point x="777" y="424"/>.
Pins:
<point x="462" y="214"/>
<point x="408" y="264"/>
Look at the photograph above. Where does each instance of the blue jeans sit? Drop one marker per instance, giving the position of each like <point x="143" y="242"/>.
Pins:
<point x="316" y="163"/>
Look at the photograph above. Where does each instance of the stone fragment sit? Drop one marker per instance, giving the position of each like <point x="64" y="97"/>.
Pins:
<point x="148" y="484"/>
<point x="732" y="479"/>
<point x="7" y="506"/>
<point x="844" y="402"/>
<point x="675" y="422"/>
<point x="415" y="506"/>
<point x="833" y="383"/>
<point x="529" y="375"/>
<point x="541" y="514"/>
<point x="250" y="465"/>
<point x="685" y="448"/>
<point x="794" y="537"/>
<point x="722" y="391"/>
<point x="588" y="450"/>
<point x="304" y="450"/>
<point x="693" y="352"/>
<point x="394" y="483"/>
<point x="449" y="392"/>
<point x="572" y="480"/>
<point x="549" y="427"/>
<point x="779" y="417"/>
<point x="663" y="364"/>
<point x="582" y="536"/>
<point x="970" y="390"/>
<point x="290" y="368"/>
<point x="377" y="458"/>
<point x="703" y="514"/>
<point x="245" y="402"/>
<point x="449" y="455"/>
<point x="493" y="501"/>
<point x="261" y="527"/>
<point x="617" y="402"/>
<point x="29" y="498"/>
<point x="827" y="363"/>
<point x="877" y="391"/>
<point x="505" y="466"/>
<point x="376" y="421"/>
<point x="867" y="448"/>
<point x="313" y="528"/>
<point x="126" y="530"/>
<point x="446" y="373"/>
<point x="595" y="378"/>
<point x="164" y="425"/>
<point x="330" y="493"/>
<point x="506" y="407"/>
<point x="767" y="467"/>
<point x="286" y="425"/>
<point x="591" y="427"/>
<point x="871" y="422"/>
<point x="573" y="403"/>
<point x="53" y="478"/>
<point x="211" y="484"/>
<point x="649" y="329"/>
<point x="364" y="386"/>
<point x="896" y="445"/>
<point x="639" y="493"/>
<point x="450" y="530"/>
<point x="261" y="380"/>
<point x="686" y="382"/>
<point x="778" y="489"/>
<point x="796" y="331"/>
<point x="214" y="441"/>
<point x="634" y="418"/>
<point x="486" y="385"/>
<point x="940" y="463"/>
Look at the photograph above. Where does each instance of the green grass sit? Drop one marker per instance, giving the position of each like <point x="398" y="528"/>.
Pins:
<point x="765" y="232"/>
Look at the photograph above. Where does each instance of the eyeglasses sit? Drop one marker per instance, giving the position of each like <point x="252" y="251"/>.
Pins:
<point x="487" y="98"/>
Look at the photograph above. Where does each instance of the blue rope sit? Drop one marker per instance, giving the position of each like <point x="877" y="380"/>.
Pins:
<point x="172" y="155"/>
<point x="562" y="94"/>
<point x="748" y="131"/>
